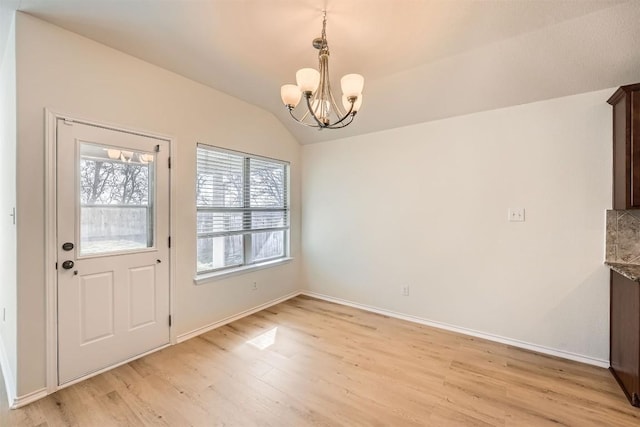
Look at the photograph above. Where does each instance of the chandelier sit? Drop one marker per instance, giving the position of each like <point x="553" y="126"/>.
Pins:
<point x="322" y="110"/>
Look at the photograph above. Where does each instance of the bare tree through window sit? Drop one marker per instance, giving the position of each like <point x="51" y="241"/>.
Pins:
<point x="115" y="206"/>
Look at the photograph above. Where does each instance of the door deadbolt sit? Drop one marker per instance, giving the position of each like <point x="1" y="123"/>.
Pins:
<point x="67" y="246"/>
<point x="67" y="265"/>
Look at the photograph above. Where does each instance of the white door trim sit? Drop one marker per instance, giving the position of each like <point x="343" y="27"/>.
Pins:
<point x="50" y="196"/>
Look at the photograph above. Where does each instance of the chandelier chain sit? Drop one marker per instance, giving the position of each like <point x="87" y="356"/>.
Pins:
<point x="323" y="35"/>
<point x="324" y="28"/>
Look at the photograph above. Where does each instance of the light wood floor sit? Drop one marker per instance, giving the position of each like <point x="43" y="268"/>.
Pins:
<point x="325" y="364"/>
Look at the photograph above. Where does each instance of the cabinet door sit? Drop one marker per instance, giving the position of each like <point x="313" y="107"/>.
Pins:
<point x="626" y="147"/>
<point x="625" y="334"/>
<point x="633" y="131"/>
<point x="621" y="156"/>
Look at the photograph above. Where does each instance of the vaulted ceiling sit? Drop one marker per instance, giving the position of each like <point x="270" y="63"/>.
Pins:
<point x="422" y="60"/>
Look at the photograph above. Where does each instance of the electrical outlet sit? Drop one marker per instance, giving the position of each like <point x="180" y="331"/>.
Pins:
<point x="405" y="291"/>
<point x="516" y="214"/>
<point x="254" y="286"/>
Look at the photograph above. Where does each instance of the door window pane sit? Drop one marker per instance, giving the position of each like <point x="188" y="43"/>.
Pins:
<point x="116" y="199"/>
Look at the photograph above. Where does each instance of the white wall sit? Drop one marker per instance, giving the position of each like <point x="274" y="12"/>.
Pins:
<point x="426" y="206"/>
<point x="8" y="300"/>
<point x="68" y="73"/>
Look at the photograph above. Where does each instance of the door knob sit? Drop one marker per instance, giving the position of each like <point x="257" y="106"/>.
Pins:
<point x="67" y="265"/>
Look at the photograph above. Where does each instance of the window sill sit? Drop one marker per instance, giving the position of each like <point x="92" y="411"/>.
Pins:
<point x="211" y="277"/>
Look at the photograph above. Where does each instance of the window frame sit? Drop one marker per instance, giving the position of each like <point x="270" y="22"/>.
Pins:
<point x="149" y="206"/>
<point x="247" y="234"/>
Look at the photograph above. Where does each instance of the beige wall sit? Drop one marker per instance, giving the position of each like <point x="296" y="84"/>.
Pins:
<point x="8" y="288"/>
<point x="423" y="205"/>
<point x="71" y="74"/>
<point x="426" y="206"/>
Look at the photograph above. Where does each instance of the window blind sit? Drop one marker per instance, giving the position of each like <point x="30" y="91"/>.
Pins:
<point x="242" y="208"/>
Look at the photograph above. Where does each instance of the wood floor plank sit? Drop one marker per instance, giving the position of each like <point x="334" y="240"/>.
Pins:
<point x="307" y="362"/>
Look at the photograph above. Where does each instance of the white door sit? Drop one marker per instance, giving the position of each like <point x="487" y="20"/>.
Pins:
<point x="113" y="255"/>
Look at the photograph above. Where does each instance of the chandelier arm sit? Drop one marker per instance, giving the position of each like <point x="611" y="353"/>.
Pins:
<point x="340" y="112"/>
<point x="323" y="91"/>
<point x="301" y="121"/>
<point x="344" y="117"/>
<point x="353" y="116"/>
<point x="304" y="117"/>
<point x="343" y="125"/>
<point x="320" y="124"/>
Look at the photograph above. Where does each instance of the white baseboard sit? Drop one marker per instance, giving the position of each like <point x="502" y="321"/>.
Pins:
<point x="212" y="326"/>
<point x="7" y="374"/>
<point x="16" y="401"/>
<point x="503" y="340"/>
<point x="28" y="398"/>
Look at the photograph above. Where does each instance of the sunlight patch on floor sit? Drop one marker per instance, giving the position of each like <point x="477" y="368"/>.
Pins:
<point x="264" y="340"/>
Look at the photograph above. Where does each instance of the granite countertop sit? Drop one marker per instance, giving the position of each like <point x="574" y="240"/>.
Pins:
<point x="630" y="271"/>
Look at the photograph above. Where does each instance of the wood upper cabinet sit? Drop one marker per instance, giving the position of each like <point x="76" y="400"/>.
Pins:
<point x="626" y="147"/>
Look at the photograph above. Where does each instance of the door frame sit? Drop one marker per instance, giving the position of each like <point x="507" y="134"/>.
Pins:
<point x="50" y="240"/>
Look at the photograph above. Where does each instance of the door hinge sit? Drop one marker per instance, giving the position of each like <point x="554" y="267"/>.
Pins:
<point x="169" y="320"/>
<point x="56" y="265"/>
<point x="169" y="162"/>
<point x="158" y="148"/>
<point x="169" y="241"/>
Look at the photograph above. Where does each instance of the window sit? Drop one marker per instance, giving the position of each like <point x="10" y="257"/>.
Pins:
<point x="116" y="199"/>
<point x="243" y="209"/>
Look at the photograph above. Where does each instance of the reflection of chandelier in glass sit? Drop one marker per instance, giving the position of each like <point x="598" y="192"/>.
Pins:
<point x="127" y="156"/>
<point x="322" y="110"/>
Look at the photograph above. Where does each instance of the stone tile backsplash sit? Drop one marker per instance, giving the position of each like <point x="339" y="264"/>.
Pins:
<point x="623" y="236"/>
